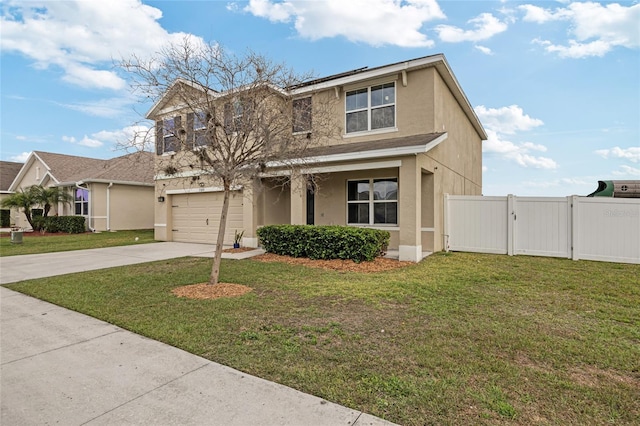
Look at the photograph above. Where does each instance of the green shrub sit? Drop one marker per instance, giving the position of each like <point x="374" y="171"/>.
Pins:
<point x="53" y="224"/>
<point x="324" y="242"/>
<point x="71" y="224"/>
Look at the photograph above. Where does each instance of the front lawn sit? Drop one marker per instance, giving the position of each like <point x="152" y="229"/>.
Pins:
<point x="34" y="242"/>
<point x="457" y="339"/>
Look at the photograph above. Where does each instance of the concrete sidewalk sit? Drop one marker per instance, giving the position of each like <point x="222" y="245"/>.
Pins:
<point x="63" y="367"/>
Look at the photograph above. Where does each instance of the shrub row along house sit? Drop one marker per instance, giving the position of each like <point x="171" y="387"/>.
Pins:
<point x="404" y="135"/>
<point x="114" y="194"/>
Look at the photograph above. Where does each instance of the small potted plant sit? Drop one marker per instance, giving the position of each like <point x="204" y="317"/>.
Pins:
<point x="237" y="237"/>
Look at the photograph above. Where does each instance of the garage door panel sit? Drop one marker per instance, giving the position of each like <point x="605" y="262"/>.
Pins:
<point x="196" y="217"/>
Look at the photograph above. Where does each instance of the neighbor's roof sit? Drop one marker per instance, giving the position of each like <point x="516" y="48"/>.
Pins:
<point x="8" y="172"/>
<point x="135" y="168"/>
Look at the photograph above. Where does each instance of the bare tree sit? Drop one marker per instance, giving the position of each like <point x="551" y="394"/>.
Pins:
<point x="236" y="116"/>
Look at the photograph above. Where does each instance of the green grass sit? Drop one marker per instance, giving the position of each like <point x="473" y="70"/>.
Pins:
<point x="33" y="244"/>
<point x="456" y="339"/>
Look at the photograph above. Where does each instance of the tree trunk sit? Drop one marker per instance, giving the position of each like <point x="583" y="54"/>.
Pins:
<point x="27" y="214"/>
<point x="217" y="257"/>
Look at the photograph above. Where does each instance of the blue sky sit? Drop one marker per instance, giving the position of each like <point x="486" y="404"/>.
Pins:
<point x="556" y="84"/>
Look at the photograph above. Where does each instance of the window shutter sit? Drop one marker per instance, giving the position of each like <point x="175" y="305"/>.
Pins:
<point x="159" y="137"/>
<point x="190" y="134"/>
<point x="178" y="132"/>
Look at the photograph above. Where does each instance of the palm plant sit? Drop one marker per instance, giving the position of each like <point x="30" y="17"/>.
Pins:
<point x="25" y="199"/>
<point x="51" y="196"/>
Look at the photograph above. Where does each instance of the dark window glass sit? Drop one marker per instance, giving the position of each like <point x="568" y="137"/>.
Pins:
<point x="357" y="121"/>
<point x="385" y="213"/>
<point x="383" y="117"/>
<point x="358" y="190"/>
<point x="357" y="99"/>
<point x="359" y="213"/>
<point x="302" y="115"/>
<point x="385" y="189"/>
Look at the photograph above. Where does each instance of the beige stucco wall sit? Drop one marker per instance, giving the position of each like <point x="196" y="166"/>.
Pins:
<point x="424" y="105"/>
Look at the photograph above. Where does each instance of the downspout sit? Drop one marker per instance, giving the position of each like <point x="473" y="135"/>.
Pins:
<point x="88" y="201"/>
<point x="108" y="206"/>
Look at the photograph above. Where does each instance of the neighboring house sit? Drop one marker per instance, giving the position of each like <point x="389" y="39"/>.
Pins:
<point x="115" y="194"/>
<point x="408" y="136"/>
<point x="8" y="172"/>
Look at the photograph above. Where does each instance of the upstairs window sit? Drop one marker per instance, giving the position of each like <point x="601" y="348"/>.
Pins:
<point x="371" y="108"/>
<point x="166" y="135"/>
<point x="199" y="129"/>
<point x="234" y="116"/>
<point x="372" y="202"/>
<point x="302" y="115"/>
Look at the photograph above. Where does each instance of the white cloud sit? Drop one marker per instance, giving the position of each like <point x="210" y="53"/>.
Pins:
<point x="519" y="153"/>
<point x="85" y="141"/>
<point x="90" y="143"/>
<point x="503" y="121"/>
<point x="632" y="153"/>
<point x="20" y="158"/>
<point x="374" y="22"/>
<point x="484" y="49"/>
<point x="484" y="25"/>
<point x="21" y="138"/>
<point x="506" y="120"/>
<point x="597" y="28"/>
<point x="107" y="107"/>
<point x="627" y="171"/>
<point x="138" y="137"/>
<point x="83" y="37"/>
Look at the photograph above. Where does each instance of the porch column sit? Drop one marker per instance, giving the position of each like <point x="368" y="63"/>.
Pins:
<point x="410" y="202"/>
<point x="250" y="214"/>
<point x="298" y="199"/>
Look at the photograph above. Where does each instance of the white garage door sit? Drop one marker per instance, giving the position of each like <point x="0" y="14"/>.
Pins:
<point x="196" y="217"/>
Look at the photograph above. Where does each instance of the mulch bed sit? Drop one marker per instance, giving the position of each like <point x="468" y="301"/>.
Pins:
<point x="207" y="291"/>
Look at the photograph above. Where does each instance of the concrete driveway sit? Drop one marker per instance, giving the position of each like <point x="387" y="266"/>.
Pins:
<point x="63" y="367"/>
<point x="30" y="266"/>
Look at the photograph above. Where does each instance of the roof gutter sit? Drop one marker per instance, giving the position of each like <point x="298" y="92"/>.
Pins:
<point x="107" y="181"/>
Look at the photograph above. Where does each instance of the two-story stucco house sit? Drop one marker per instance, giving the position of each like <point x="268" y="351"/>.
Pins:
<point x="114" y="194"/>
<point x="407" y="136"/>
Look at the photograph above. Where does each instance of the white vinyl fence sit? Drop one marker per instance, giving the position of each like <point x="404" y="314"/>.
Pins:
<point x="606" y="229"/>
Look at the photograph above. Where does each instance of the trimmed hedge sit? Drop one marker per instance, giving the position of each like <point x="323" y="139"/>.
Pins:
<point x="68" y="224"/>
<point x="324" y="242"/>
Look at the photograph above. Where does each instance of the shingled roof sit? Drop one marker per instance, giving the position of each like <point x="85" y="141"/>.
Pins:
<point x="135" y="168"/>
<point x="8" y="172"/>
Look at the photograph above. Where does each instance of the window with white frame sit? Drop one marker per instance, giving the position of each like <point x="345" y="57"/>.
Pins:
<point x="81" y="201"/>
<point x="372" y="201"/>
<point x="166" y="135"/>
<point x="371" y="108"/>
<point x="302" y="115"/>
<point x="200" y="129"/>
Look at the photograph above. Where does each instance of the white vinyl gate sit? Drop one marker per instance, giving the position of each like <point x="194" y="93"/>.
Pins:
<point x="606" y="229"/>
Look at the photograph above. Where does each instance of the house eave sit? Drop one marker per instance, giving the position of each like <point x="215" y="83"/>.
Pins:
<point x="362" y="155"/>
<point x="105" y="181"/>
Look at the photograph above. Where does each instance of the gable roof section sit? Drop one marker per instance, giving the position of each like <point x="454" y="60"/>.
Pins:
<point x="8" y="172"/>
<point x="135" y="169"/>
<point x="360" y="74"/>
<point x="438" y="61"/>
